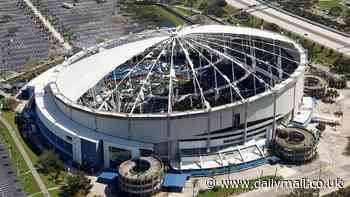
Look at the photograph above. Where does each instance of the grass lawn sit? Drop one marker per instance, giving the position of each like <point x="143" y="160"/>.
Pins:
<point x="165" y="15"/>
<point x="153" y="15"/>
<point x="196" y="3"/>
<point x="10" y="117"/>
<point x="54" y="192"/>
<point x="184" y="12"/>
<point x="26" y="179"/>
<point x="327" y="4"/>
<point x="29" y="184"/>
<point x="229" y="9"/>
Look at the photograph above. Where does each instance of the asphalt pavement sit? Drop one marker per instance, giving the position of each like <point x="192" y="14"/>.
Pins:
<point x="9" y="186"/>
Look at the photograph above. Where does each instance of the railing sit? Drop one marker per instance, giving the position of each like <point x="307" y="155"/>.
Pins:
<point x="227" y="169"/>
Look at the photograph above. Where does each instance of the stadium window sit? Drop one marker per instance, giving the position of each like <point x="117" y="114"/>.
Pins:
<point x="69" y="138"/>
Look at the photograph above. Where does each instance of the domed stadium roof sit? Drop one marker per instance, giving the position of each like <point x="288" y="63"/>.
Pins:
<point x="181" y="69"/>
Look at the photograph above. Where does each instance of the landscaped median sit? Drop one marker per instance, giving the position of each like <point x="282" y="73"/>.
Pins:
<point x="26" y="177"/>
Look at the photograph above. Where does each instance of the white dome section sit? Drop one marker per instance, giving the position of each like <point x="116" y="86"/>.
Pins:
<point x="73" y="80"/>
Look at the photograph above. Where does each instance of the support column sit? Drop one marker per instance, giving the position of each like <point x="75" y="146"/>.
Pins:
<point x="245" y="121"/>
<point x="118" y="104"/>
<point x="76" y="144"/>
<point x="208" y="131"/>
<point x="174" y="147"/>
<point x="106" y="155"/>
<point x="294" y="95"/>
<point x="252" y="53"/>
<point x="95" y="122"/>
<point x="274" y="126"/>
<point x="233" y="120"/>
<point x="129" y="127"/>
<point x="135" y="152"/>
<point x="169" y="140"/>
<point x="279" y="65"/>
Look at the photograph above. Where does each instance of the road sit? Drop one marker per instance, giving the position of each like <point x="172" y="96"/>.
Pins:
<point x="48" y="25"/>
<point x="26" y="158"/>
<point x="318" y="34"/>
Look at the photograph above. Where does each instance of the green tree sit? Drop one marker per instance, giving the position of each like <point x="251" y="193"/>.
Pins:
<point x="216" y="7"/>
<point x="190" y="3"/>
<point x="301" y="5"/>
<point x="342" y="65"/>
<point x="322" y="48"/>
<point x="331" y="52"/>
<point x="336" y="11"/>
<point x="9" y="104"/>
<point x="50" y="163"/>
<point x="75" y="186"/>
<point x="271" y="27"/>
<point x="321" y="126"/>
<point x="347" y="18"/>
<point x="203" y="5"/>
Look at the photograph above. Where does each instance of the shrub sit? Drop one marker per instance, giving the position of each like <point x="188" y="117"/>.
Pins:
<point x="9" y="104"/>
<point x="282" y="134"/>
<point x="216" y="7"/>
<point x="76" y="185"/>
<point x="342" y="65"/>
<point x="335" y="11"/>
<point x="271" y="27"/>
<point x="50" y="163"/>
<point x="321" y="126"/>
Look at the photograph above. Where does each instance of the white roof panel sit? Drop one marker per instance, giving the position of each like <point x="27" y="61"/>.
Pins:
<point x="233" y="30"/>
<point x="74" y="80"/>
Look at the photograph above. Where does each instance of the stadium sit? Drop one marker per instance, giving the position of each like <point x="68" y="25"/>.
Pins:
<point x="199" y="97"/>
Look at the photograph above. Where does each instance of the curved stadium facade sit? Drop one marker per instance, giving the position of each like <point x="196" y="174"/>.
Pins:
<point x="176" y="93"/>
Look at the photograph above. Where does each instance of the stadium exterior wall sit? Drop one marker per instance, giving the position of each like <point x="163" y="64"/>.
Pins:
<point x="185" y="131"/>
<point x="153" y="129"/>
<point x="91" y="133"/>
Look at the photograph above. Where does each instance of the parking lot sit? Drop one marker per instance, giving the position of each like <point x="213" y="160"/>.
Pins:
<point x="9" y="186"/>
<point x="87" y="22"/>
<point x="21" y="38"/>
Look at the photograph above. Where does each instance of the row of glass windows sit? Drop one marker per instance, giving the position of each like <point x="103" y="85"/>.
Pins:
<point x="56" y="141"/>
